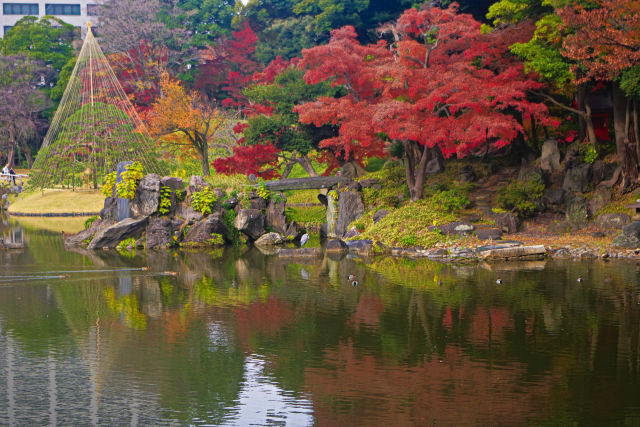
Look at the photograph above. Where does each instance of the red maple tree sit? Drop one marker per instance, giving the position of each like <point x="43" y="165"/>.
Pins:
<point x="438" y="86"/>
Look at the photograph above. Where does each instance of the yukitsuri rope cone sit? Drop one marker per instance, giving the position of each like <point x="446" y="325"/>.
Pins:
<point x="94" y="128"/>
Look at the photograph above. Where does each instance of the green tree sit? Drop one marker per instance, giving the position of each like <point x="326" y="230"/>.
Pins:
<point x="282" y="128"/>
<point x="47" y="39"/>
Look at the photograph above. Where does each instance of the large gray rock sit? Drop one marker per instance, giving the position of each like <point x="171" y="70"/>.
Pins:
<point x="250" y="222"/>
<point x="257" y="202"/>
<point x="348" y="208"/>
<point x="550" y="158"/>
<point x="79" y="238"/>
<point x="187" y="213"/>
<point x="147" y="199"/>
<point x="577" y="178"/>
<point x="160" y="232"/>
<point x="173" y="182"/>
<point x="110" y="209"/>
<point x="577" y="212"/>
<point x="514" y="252"/>
<point x="507" y="222"/>
<point x="380" y="213"/>
<point x="196" y="183"/>
<point x="270" y="239"/>
<point x="294" y="232"/>
<point x="336" y="245"/>
<point x="601" y="198"/>
<point x="489" y="233"/>
<point x="455" y="228"/>
<point x="630" y="236"/>
<point x="201" y="233"/>
<point x="602" y="171"/>
<point x="362" y="247"/>
<point x="434" y="166"/>
<point x="275" y="216"/>
<point x="613" y="220"/>
<point x="110" y="237"/>
<point x="467" y="174"/>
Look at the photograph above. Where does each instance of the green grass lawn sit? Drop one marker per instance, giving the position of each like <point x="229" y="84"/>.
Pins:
<point x="57" y="201"/>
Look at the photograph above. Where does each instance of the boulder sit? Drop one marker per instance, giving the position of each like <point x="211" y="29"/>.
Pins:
<point x="200" y="234"/>
<point x="467" y="174"/>
<point x="275" y="216"/>
<point x="601" y="198"/>
<point x="109" y="237"/>
<point x="348" y="208"/>
<point x="79" y="238"/>
<point x="456" y="228"/>
<point x="231" y="202"/>
<point x="336" y="245"/>
<point x="250" y="222"/>
<point x="196" y="183"/>
<point x="352" y="232"/>
<point x="630" y="236"/>
<point x="554" y="197"/>
<point x="507" y="222"/>
<point x="613" y="220"/>
<point x="300" y="253"/>
<point x="270" y="239"/>
<point x="602" y="171"/>
<point x="489" y="233"/>
<point x="514" y="252"/>
<point x="577" y="178"/>
<point x="110" y="210"/>
<point x="257" y="202"/>
<point x="147" y="198"/>
<point x="352" y="170"/>
<point x="294" y="232"/>
<point x="550" y="158"/>
<point x="434" y="166"/>
<point x="160" y="232"/>
<point x="187" y="213"/>
<point x="380" y="213"/>
<point x="577" y="212"/>
<point x="362" y="247"/>
<point x="173" y="182"/>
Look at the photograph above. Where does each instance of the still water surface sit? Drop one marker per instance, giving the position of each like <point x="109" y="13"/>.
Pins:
<point x="241" y="338"/>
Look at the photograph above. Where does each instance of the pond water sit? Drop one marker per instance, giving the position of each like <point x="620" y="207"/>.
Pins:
<point x="235" y="337"/>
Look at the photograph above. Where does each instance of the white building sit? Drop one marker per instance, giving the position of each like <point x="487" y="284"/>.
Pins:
<point x="74" y="12"/>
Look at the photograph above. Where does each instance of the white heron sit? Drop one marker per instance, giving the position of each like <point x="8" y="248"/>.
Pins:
<point x="304" y="239"/>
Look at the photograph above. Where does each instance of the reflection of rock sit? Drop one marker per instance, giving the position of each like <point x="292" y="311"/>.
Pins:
<point x="110" y="237"/>
<point x="10" y="245"/>
<point x="301" y="252"/>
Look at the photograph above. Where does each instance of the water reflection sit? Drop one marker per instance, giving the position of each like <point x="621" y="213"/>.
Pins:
<point x="234" y="337"/>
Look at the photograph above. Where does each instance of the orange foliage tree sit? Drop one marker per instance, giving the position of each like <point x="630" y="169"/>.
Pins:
<point x="184" y="121"/>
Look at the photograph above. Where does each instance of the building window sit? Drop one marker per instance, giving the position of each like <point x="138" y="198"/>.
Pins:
<point x="20" y="8"/>
<point x="6" y="28"/>
<point x="92" y="10"/>
<point x="62" y="9"/>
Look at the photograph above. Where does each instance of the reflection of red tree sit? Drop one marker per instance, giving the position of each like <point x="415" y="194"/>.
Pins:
<point x="264" y="317"/>
<point x="367" y="312"/>
<point x="360" y="390"/>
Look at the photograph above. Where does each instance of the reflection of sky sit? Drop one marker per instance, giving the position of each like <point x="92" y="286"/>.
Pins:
<point x="261" y="402"/>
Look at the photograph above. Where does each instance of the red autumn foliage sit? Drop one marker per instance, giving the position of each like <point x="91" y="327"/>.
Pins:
<point x="229" y="67"/>
<point x="260" y="160"/>
<point x="439" y="82"/>
<point x="138" y="71"/>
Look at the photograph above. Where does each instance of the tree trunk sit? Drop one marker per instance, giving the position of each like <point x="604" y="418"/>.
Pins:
<point x="287" y="169"/>
<point x="204" y="158"/>
<point x="636" y="127"/>
<point x="626" y="156"/>
<point x="416" y="159"/>
<point x="307" y="166"/>
<point x="582" y="125"/>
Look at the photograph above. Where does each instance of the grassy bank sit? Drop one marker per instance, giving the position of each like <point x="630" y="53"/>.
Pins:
<point x="57" y="201"/>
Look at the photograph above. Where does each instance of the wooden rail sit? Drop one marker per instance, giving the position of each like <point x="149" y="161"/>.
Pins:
<point x="9" y="178"/>
<point x="316" y="182"/>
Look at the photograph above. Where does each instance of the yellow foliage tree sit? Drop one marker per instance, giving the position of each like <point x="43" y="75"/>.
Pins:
<point x="182" y="118"/>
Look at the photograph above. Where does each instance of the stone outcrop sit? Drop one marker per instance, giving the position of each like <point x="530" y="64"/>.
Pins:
<point x="160" y="232"/>
<point x="147" y="198"/>
<point x="613" y="220"/>
<point x="513" y="252"/>
<point x="81" y="237"/>
<point x="550" y="158"/>
<point x="348" y="207"/>
<point x="630" y="236"/>
<point x="250" y="222"/>
<point x="275" y="217"/>
<point x="202" y="233"/>
<point x="108" y="238"/>
<point x="577" y="178"/>
<point x="270" y="239"/>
